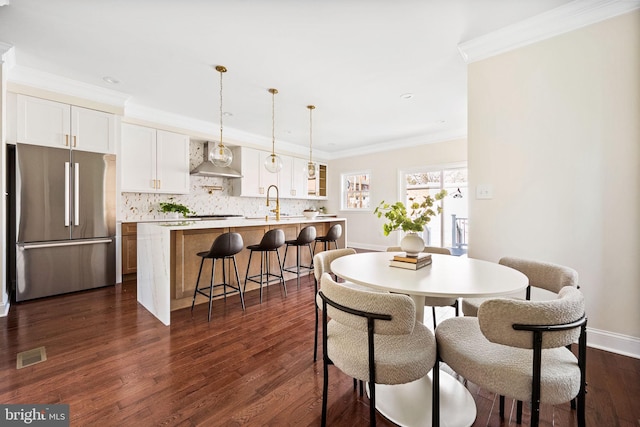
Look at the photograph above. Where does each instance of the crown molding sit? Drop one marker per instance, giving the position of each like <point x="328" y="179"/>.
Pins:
<point x="569" y="17"/>
<point x="414" y="141"/>
<point x="31" y="77"/>
<point x="209" y="130"/>
<point x="7" y="55"/>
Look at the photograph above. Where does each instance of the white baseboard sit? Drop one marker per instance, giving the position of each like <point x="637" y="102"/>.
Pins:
<point x="4" y="309"/>
<point x="615" y="343"/>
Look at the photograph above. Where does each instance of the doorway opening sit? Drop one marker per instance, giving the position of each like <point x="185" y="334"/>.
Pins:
<point x="450" y="228"/>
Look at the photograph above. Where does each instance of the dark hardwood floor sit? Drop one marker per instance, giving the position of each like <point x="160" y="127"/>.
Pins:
<point x="116" y="365"/>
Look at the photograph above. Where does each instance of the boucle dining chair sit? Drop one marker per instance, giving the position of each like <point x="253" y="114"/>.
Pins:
<point x="434" y="302"/>
<point x="518" y="348"/>
<point x="541" y="275"/>
<point x="322" y="264"/>
<point x="373" y="337"/>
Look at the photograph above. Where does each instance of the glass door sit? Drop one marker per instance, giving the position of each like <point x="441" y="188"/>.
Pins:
<point x="449" y="229"/>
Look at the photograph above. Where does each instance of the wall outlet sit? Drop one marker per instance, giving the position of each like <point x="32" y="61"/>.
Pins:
<point x="484" y="191"/>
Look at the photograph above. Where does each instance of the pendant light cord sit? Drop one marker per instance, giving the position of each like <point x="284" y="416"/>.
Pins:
<point x="221" y="107"/>
<point x="273" y="121"/>
<point x="311" y="108"/>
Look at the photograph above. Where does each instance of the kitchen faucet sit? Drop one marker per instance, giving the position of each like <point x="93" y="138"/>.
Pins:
<point x="277" y="209"/>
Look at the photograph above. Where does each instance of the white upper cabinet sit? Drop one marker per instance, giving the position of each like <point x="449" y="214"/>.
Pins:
<point x="55" y="124"/>
<point x="255" y="178"/>
<point x="293" y="178"/>
<point x="172" y="162"/>
<point x="153" y="161"/>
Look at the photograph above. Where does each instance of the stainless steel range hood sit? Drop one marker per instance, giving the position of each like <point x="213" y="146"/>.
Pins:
<point x="206" y="168"/>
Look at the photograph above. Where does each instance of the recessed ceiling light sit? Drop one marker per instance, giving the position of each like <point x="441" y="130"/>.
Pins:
<point x="111" y="80"/>
<point x="406" y="95"/>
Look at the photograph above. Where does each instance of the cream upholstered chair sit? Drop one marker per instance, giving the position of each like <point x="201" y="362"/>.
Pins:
<point x="517" y="348"/>
<point x="542" y="275"/>
<point x="322" y="264"/>
<point x="434" y="302"/>
<point x="374" y="337"/>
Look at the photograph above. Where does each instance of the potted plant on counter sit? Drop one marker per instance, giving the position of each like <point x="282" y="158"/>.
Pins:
<point x="174" y="210"/>
<point x="411" y="220"/>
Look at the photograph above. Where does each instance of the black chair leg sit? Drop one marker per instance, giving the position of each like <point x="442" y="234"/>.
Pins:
<point x="284" y="286"/>
<point x="501" y="407"/>
<point x="235" y="267"/>
<point x="519" y="412"/>
<point x="435" y="394"/>
<point x="315" y="340"/>
<point x="195" y="291"/>
<point x="213" y="272"/>
<point x="325" y="393"/>
<point x="433" y="310"/>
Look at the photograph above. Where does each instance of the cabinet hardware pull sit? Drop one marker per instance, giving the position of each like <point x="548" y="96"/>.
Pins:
<point x="159" y="184"/>
<point x="66" y="140"/>
<point x="74" y="141"/>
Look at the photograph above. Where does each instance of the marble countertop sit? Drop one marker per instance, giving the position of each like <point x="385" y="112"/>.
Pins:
<point x="248" y="218"/>
<point x="238" y="222"/>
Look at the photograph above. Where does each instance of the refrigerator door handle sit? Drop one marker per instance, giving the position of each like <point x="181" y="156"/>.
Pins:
<point x="76" y="195"/>
<point x="66" y="194"/>
<point x="26" y="246"/>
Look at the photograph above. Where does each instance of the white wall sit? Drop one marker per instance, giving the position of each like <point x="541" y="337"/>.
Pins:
<point x="364" y="229"/>
<point x="554" y="127"/>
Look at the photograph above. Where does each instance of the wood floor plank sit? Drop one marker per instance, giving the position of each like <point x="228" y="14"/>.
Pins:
<point x="115" y="364"/>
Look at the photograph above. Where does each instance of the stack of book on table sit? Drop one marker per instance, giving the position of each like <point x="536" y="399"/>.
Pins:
<point x="410" y="262"/>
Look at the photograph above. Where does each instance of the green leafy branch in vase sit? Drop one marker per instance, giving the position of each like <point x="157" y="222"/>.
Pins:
<point x="411" y="219"/>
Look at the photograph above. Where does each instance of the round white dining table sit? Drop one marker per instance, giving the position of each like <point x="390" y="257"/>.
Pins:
<point x="447" y="276"/>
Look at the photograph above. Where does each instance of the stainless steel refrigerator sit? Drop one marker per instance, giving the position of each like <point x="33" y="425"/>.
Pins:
<point x="65" y="221"/>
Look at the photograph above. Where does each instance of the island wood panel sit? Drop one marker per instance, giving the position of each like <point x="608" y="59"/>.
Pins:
<point x="185" y="244"/>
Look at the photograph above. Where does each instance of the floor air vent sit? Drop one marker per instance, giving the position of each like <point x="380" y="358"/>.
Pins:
<point x="31" y="357"/>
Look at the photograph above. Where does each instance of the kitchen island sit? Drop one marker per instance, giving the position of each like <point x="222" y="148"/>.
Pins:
<point x="168" y="265"/>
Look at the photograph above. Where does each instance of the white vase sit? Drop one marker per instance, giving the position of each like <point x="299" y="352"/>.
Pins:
<point x="412" y="244"/>
<point x="172" y="215"/>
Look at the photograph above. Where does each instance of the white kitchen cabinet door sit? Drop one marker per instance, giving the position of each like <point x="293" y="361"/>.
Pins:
<point x="153" y="161"/>
<point x="249" y="184"/>
<point x="137" y="159"/>
<point x="93" y="130"/>
<point x="299" y="178"/>
<point x="172" y="163"/>
<point x="43" y="122"/>
<point x="59" y="125"/>
<point x="293" y="178"/>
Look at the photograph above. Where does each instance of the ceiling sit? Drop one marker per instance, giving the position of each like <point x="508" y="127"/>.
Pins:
<point x="355" y="60"/>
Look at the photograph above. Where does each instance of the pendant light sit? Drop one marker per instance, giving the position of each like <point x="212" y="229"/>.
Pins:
<point x="273" y="163"/>
<point x="221" y="155"/>
<point x="311" y="167"/>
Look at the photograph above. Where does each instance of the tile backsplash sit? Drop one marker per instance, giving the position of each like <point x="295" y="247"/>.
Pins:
<point x="145" y="206"/>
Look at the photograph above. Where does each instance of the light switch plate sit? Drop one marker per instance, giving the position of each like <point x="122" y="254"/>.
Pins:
<point x="484" y="191"/>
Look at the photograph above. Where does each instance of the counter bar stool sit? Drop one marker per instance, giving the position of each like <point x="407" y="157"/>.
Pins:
<point x="305" y="237"/>
<point x="225" y="246"/>
<point x="332" y="235"/>
<point x="271" y="241"/>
